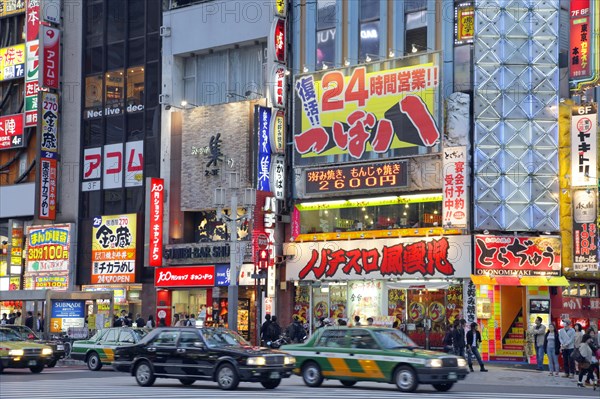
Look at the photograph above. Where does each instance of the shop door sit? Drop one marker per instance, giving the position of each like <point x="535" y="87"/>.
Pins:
<point x="427" y="317"/>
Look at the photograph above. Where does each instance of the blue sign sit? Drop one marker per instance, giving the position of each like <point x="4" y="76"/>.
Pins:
<point x="68" y="309"/>
<point x="264" y="149"/>
<point x="222" y="276"/>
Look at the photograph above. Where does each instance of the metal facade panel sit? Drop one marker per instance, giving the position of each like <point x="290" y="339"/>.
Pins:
<point x="516" y="115"/>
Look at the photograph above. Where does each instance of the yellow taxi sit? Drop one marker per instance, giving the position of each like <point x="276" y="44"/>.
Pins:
<point x="15" y="352"/>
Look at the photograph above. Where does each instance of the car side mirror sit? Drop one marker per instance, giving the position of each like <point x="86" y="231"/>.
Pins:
<point x="199" y="345"/>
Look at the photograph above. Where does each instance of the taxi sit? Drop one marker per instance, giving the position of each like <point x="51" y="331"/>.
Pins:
<point x="352" y="354"/>
<point x="15" y="352"/>
<point x="99" y="350"/>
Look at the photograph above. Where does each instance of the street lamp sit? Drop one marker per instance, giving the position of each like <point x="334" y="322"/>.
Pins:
<point x="232" y="220"/>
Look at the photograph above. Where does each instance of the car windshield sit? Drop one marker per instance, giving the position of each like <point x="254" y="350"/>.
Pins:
<point x="25" y="332"/>
<point x="139" y="334"/>
<point x="221" y="338"/>
<point x="8" y="335"/>
<point x="393" y="339"/>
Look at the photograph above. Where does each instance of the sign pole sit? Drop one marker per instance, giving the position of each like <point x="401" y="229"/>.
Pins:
<point x="232" y="290"/>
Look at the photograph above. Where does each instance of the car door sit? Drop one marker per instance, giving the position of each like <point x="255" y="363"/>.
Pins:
<point x="105" y="347"/>
<point x="328" y="352"/>
<point x="194" y="354"/>
<point x="162" y="352"/>
<point x="363" y="354"/>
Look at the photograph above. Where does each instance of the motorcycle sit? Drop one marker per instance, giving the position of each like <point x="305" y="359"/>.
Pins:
<point x="282" y="340"/>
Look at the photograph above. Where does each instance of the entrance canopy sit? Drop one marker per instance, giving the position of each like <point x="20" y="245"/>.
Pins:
<point x="523" y="281"/>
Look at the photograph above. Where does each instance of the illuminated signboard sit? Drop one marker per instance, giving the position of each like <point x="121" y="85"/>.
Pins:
<point x="584" y="132"/>
<point x="585" y="231"/>
<point x="12" y="62"/>
<point x="11" y="7"/>
<point x="262" y="129"/>
<point x="50" y="123"/>
<point x="155" y="231"/>
<point x="113" y="249"/>
<point x="278" y="37"/>
<point x="47" y="191"/>
<point x="367" y="112"/>
<point x="48" y="248"/>
<point x="357" y="177"/>
<point x="465" y="23"/>
<point x="109" y="171"/>
<point x="11" y="131"/>
<point x="580" y="58"/>
<point x="455" y="191"/>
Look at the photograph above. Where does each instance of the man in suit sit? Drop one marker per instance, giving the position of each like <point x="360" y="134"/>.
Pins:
<point x="473" y="341"/>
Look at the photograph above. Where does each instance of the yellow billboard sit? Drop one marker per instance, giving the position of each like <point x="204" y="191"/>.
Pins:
<point x="113" y="249"/>
<point x="12" y="62"/>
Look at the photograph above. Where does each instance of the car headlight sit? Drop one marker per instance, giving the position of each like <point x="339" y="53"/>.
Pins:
<point x="289" y="360"/>
<point x="15" y="352"/>
<point x="256" y="361"/>
<point x="434" y="363"/>
<point x="462" y="362"/>
<point x="46" y="351"/>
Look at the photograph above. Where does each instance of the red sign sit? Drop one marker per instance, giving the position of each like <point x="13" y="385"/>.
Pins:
<point x="188" y="276"/>
<point x="33" y="19"/>
<point x="517" y="256"/>
<point x="278" y="93"/>
<point x="279" y="40"/>
<point x="581" y="40"/>
<point x="50" y="57"/>
<point x="47" y="196"/>
<point x="11" y="131"/>
<point x="262" y="241"/>
<point x="157" y="189"/>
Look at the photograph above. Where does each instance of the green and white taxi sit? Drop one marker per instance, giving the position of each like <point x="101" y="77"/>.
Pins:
<point x="352" y="354"/>
<point x="99" y="349"/>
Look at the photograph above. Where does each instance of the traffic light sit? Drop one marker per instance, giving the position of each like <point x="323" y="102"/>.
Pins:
<point x="263" y="258"/>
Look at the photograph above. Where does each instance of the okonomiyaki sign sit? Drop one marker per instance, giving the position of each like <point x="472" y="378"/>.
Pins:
<point x="437" y="257"/>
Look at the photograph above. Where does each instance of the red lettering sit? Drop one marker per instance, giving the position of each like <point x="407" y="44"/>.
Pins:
<point x="354" y="255"/>
<point x="370" y="260"/>
<point x="391" y="263"/>
<point x="311" y="263"/>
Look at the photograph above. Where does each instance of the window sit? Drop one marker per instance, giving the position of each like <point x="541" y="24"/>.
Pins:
<point x="462" y="68"/>
<point x="361" y="339"/>
<point x="94" y="90"/>
<point x="166" y="338"/>
<point x="581" y="289"/>
<point x="369" y="29"/>
<point x="333" y="339"/>
<point x="126" y="337"/>
<point x="135" y="88"/>
<point x="94" y="22"/>
<point x="115" y="87"/>
<point x="92" y="133"/>
<point x="416" y="31"/>
<point x="136" y="18"/>
<point x="326" y="34"/>
<point x="116" y="20"/>
<point x="187" y="339"/>
<point x="111" y="336"/>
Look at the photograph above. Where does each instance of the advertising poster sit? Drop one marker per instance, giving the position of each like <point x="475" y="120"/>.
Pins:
<point x="155" y="225"/>
<point x="11" y="7"/>
<point x="11" y="132"/>
<point x="48" y="248"/>
<point x="47" y="191"/>
<point x="455" y="187"/>
<point x="397" y="303"/>
<point x="585" y="230"/>
<point x="338" y="297"/>
<point x="320" y="306"/>
<point x="377" y="111"/>
<point x="517" y="256"/>
<point x="465" y="20"/>
<point x="12" y="62"/>
<point x="50" y="123"/>
<point x="263" y="127"/>
<point x="302" y="303"/>
<point x="66" y="314"/>
<point x="364" y="299"/>
<point x="114" y="249"/>
<point x="580" y="59"/>
<point x="584" y="132"/>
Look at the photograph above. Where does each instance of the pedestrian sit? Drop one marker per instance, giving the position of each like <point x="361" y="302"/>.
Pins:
<point x="264" y="333"/>
<point x="448" y="339"/>
<point x="11" y="318"/>
<point x="117" y="322"/>
<point x="578" y="336"/>
<point x="585" y="361"/>
<point x="321" y="322"/>
<point x="29" y="319"/>
<point x="539" y="334"/>
<point x="458" y="339"/>
<point x="181" y="320"/>
<point x="342" y="322"/>
<point x="552" y="349"/>
<point x="296" y="331"/>
<point x="370" y="321"/>
<point x="594" y="367"/>
<point x="566" y="336"/>
<point x="473" y="342"/>
<point x="274" y="329"/>
<point x="40" y="322"/>
<point x="150" y="323"/>
<point x="192" y="321"/>
<point x="139" y="320"/>
<point x="18" y="319"/>
<point x="4" y="319"/>
<point x="162" y="322"/>
<point x="175" y="319"/>
<point x="129" y="319"/>
<point x="357" y="321"/>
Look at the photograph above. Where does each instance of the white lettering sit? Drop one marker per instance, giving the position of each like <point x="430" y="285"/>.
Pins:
<point x="168" y="276"/>
<point x="92" y="113"/>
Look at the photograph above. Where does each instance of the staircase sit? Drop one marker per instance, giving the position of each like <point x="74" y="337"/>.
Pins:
<point x="513" y="343"/>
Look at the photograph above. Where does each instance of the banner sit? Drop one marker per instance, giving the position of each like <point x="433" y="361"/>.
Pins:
<point x="12" y="62"/>
<point x="455" y="187"/>
<point x="154" y="230"/>
<point x="31" y="82"/>
<point x="49" y="248"/>
<point x="262" y="129"/>
<point x="11" y="132"/>
<point x="517" y="256"/>
<point x="584" y="130"/>
<point x="185" y="276"/>
<point x="438" y="257"/>
<point x="50" y="60"/>
<point x="580" y="57"/>
<point x="50" y="123"/>
<point x="114" y="249"/>
<point x="368" y="112"/>
<point x="47" y="189"/>
<point x="585" y="231"/>
<point x="33" y="19"/>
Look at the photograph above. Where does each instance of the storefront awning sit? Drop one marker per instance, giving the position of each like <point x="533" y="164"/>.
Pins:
<point x="507" y="281"/>
<point x="482" y="280"/>
<point x="523" y="281"/>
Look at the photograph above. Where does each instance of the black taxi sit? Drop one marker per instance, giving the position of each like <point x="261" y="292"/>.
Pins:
<point x="214" y="354"/>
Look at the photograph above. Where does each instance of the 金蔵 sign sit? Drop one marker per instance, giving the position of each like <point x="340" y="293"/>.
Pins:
<point x="356" y="177"/>
<point x="113" y="249"/>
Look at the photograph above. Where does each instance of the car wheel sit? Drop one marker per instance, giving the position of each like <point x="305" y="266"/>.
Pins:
<point x="52" y="363"/>
<point x="348" y="383"/>
<point x="271" y="384"/>
<point x="311" y="374"/>
<point x="227" y="377"/>
<point x="93" y="362"/>
<point x="144" y="375"/>
<point x="406" y="379"/>
<point x="443" y="387"/>
<point x="187" y="381"/>
<point x="37" y="369"/>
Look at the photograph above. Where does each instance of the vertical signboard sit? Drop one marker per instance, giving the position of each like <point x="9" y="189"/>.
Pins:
<point x="50" y="123"/>
<point x="278" y="132"/>
<point x="50" y="59"/>
<point x="278" y="35"/>
<point x="585" y="233"/>
<point x="278" y="86"/>
<point x="32" y="20"/>
<point x="580" y="59"/>
<point x="11" y="7"/>
<point x="113" y="249"/>
<point x="31" y="82"/>
<point x="584" y="130"/>
<point x="263" y="125"/>
<point x="47" y="189"/>
<point x="455" y="195"/>
<point x="278" y="177"/>
<point x="154" y="212"/>
<point x="465" y="23"/>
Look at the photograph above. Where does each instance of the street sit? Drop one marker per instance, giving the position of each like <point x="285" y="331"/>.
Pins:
<point x="78" y="382"/>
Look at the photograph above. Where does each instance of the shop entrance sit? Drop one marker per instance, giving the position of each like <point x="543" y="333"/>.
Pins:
<point x="513" y="323"/>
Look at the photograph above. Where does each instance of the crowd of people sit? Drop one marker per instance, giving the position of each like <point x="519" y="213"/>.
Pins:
<point x="36" y="324"/>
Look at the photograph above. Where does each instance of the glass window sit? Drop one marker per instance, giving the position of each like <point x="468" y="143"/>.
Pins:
<point x="135" y="88"/>
<point x="393" y="339"/>
<point x="91" y="203"/>
<point x="135" y="196"/>
<point x="153" y="48"/>
<point x="326" y="32"/>
<point x="222" y="338"/>
<point x="153" y="14"/>
<point x="113" y="201"/>
<point x="94" y="89"/>
<point x="462" y="68"/>
<point x="166" y="338"/>
<point x="136" y="18"/>
<point x="369" y="9"/>
<point x="188" y="338"/>
<point x="369" y="39"/>
<point x="116" y="20"/>
<point x="115" y="90"/>
<point x="94" y="23"/>
<point x="114" y="129"/>
<point x="135" y="126"/>
<point x="152" y="84"/>
<point x="126" y="337"/>
<point x="333" y="339"/>
<point x="92" y="132"/>
<point x="111" y="336"/>
<point x="362" y="339"/>
<point x="136" y="52"/>
<point x="414" y="5"/>
<point x="93" y="60"/>
<point x="115" y="55"/>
